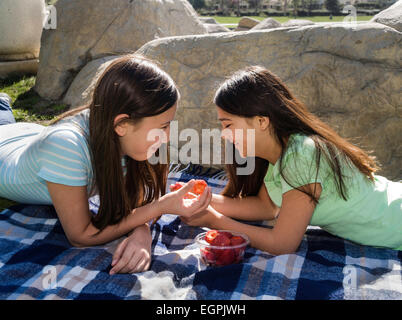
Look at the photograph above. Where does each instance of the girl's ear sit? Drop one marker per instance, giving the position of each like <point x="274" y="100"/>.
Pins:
<point x="263" y="122"/>
<point x="120" y="126"/>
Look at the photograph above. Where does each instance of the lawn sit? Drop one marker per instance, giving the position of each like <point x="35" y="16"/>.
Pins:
<point x="4" y="204"/>
<point x="28" y="106"/>
<point x="233" y="21"/>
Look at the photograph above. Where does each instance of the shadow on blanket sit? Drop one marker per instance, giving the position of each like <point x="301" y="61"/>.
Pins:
<point x="37" y="262"/>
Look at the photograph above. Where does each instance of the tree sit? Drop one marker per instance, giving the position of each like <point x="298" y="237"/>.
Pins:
<point x="285" y="7"/>
<point x="295" y="4"/>
<point x="198" y="4"/>
<point x="332" y="6"/>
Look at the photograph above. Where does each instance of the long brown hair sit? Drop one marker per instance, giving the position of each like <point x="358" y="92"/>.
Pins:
<point x="135" y="86"/>
<point x="255" y="91"/>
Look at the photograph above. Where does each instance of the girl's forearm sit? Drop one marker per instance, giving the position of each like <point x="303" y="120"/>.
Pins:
<point x="260" y="238"/>
<point x="247" y="208"/>
<point x="138" y="217"/>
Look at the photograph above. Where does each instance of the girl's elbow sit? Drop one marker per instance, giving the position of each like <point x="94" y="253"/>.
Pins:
<point x="280" y="251"/>
<point x="77" y="242"/>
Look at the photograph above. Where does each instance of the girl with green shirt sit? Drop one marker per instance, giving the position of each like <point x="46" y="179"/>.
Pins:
<point x="305" y="173"/>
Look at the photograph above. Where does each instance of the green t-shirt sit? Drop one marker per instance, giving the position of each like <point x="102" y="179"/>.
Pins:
<point x="372" y="214"/>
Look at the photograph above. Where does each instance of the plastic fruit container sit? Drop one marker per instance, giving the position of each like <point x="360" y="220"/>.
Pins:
<point x="222" y="247"/>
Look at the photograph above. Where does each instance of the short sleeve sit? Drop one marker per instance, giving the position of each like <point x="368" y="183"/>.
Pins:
<point x="64" y="158"/>
<point x="299" y="166"/>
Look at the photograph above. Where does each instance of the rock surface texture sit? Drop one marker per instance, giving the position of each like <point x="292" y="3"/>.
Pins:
<point x="91" y="29"/>
<point x="391" y="16"/>
<point x="348" y="75"/>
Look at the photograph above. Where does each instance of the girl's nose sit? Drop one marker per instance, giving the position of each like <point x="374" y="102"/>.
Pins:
<point x="227" y="135"/>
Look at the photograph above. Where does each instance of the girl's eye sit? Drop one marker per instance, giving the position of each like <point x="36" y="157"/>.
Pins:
<point x="227" y="126"/>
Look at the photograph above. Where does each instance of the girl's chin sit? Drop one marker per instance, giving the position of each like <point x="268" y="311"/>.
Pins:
<point x="139" y="157"/>
<point x="241" y="153"/>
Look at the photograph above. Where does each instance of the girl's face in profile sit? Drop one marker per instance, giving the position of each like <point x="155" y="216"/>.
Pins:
<point x="235" y="130"/>
<point x="141" y="140"/>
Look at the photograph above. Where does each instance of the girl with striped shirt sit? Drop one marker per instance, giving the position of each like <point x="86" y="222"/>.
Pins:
<point x="101" y="148"/>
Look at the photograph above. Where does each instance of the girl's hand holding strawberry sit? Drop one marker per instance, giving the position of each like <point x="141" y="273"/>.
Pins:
<point x="185" y="203"/>
<point x="206" y="218"/>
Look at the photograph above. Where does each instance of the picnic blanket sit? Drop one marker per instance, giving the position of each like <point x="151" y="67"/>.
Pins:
<point x="37" y="262"/>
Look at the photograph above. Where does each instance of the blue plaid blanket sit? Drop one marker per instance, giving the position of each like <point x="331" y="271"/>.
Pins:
<point x="37" y="262"/>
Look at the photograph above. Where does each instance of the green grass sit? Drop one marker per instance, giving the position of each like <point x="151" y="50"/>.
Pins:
<point x="235" y="20"/>
<point x="28" y="106"/>
<point x="5" y="203"/>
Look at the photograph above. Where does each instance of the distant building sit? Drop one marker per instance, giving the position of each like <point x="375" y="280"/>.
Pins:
<point x="272" y="4"/>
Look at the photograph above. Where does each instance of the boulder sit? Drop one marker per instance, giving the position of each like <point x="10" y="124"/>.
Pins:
<point x="241" y="29"/>
<point x="208" y="20"/>
<point x="21" y="24"/>
<point x="268" y="23"/>
<point x="349" y="76"/>
<point x="391" y="17"/>
<point x="215" y="28"/>
<point x="81" y="90"/>
<point x="23" y="67"/>
<point x="297" y="23"/>
<point x="91" y="29"/>
<point x="247" y="23"/>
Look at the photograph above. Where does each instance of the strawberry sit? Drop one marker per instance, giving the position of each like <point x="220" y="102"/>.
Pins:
<point x="221" y="240"/>
<point x="210" y="236"/>
<point x="199" y="187"/>
<point x="176" y="186"/>
<point x="236" y="240"/>
<point x="208" y="255"/>
<point x="226" y="234"/>
<point x="226" y="257"/>
<point x="190" y="195"/>
<point x="196" y="190"/>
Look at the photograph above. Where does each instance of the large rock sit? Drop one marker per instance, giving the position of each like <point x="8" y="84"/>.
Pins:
<point x="90" y="29"/>
<point x="21" y="23"/>
<point x="81" y="90"/>
<point x="246" y="23"/>
<point x="215" y="28"/>
<point x="391" y="17"/>
<point x="348" y="75"/>
<point x="268" y="23"/>
<point x="297" y="23"/>
<point x="24" y="67"/>
<point x="208" y="20"/>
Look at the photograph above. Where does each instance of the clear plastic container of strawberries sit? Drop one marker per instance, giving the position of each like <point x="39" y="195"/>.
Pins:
<point x="222" y="247"/>
<point x="217" y="247"/>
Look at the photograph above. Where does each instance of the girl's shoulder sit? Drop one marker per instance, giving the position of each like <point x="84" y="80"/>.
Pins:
<point x="302" y="161"/>
<point x="78" y="122"/>
<point x="299" y="146"/>
<point x="71" y="133"/>
<point x="73" y="129"/>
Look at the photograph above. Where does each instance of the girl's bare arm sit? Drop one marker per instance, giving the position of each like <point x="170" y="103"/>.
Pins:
<point x="295" y="215"/>
<point x="71" y="204"/>
<point x="259" y="207"/>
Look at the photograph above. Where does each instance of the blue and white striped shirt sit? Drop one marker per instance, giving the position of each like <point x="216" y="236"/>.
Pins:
<point x="31" y="154"/>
